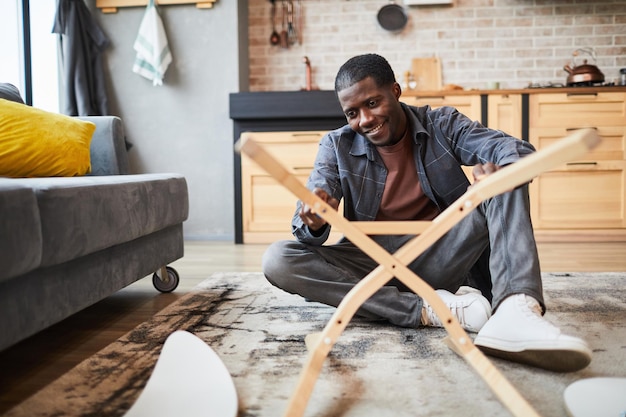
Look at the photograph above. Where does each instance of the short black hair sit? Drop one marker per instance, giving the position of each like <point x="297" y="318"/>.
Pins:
<point x="362" y="66"/>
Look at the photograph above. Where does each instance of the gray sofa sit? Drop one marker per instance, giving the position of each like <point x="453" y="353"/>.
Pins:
<point x="68" y="242"/>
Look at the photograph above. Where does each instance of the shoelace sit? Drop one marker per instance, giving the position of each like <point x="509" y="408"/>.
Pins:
<point x="533" y="305"/>
<point x="534" y="312"/>
<point x="457" y="310"/>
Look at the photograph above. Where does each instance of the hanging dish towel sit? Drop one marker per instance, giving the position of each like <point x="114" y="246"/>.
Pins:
<point x="153" y="52"/>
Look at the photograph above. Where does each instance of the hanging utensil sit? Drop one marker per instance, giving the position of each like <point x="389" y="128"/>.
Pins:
<point x="299" y="20"/>
<point x="291" y="31"/>
<point x="274" y="37"/>
<point x="284" y="41"/>
<point x="392" y="17"/>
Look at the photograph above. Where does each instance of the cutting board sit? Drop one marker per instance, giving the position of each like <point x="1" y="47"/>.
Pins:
<point x="427" y="73"/>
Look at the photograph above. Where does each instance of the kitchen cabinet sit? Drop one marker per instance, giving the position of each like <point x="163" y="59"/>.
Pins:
<point x="504" y="112"/>
<point x="579" y="109"/>
<point x="277" y="111"/>
<point x="468" y="104"/>
<point x="589" y="193"/>
<point x="267" y="206"/>
<point x="582" y="200"/>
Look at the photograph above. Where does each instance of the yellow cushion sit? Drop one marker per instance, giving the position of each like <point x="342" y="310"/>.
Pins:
<point x="37" y="143"/>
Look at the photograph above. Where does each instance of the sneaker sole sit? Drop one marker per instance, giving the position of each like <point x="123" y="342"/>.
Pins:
<point x="557" y="360"/>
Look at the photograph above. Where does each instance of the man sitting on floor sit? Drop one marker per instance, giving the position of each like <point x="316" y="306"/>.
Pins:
<point x="398" y="162"/>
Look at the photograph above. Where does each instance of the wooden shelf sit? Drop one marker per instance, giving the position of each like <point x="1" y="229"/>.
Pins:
<point x="111" y="6"/>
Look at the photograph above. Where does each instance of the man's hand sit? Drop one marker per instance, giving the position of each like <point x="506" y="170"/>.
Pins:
<point x="307" y="214"/>
<point x="481" y="171"/>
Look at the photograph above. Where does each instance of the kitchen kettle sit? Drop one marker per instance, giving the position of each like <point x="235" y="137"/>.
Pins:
<point x="585" y="73"/>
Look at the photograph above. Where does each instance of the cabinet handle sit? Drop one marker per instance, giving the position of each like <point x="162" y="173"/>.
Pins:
<point x="582" y="94"/>
<point x="581" y="163"/>
<point x="569" y="129"/>
<point x="303" y="168"/>
<point x="301" y="135"/>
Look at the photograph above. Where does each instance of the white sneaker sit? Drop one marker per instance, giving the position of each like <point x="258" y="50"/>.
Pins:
<point x="471" y="309"/>
<point x="518" y="332"/>
<point x="467" y="290"/>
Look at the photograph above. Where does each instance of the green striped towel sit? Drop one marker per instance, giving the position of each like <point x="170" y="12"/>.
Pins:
<point x="153" y="52"/>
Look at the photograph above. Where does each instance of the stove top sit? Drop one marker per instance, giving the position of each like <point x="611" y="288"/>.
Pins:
<point x="561" y="85"/>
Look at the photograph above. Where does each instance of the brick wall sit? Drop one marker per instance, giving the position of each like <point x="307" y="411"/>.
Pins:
<point x="514" y="42"/>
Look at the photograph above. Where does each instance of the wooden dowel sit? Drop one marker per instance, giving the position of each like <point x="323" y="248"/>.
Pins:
<point x="392" y="227"/>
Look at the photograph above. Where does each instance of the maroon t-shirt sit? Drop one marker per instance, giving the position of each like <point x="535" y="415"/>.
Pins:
<point x="403" y="198"/>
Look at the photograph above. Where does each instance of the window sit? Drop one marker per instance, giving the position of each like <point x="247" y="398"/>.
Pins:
<point x="11" y="65"/>
<point x="44" y="55"/>
<point x="43" y="76"/>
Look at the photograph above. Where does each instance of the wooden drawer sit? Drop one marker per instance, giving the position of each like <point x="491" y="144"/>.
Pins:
<point x="580" y="195"/>
<point x="612" y="146"/>
<point x="504" y="113"/>
<point x="469" y="105"/>
<point x="295" y="150"/>
<point x="267" y="206"/>
<point x="577" y="110"/>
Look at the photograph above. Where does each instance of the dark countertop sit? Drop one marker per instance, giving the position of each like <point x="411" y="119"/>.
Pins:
<point x="285" y="105"/>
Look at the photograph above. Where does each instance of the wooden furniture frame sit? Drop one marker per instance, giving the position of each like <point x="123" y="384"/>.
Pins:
<point x="394" y="265"/>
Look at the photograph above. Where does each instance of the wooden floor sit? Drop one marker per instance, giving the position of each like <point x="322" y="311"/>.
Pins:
<point x="34" y="363"/>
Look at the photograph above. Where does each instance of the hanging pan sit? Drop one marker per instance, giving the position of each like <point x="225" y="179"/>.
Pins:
<point x="392" y="17"/>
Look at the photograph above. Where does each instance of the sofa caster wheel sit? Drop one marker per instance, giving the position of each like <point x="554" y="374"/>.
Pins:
<point x="169" y="282"/>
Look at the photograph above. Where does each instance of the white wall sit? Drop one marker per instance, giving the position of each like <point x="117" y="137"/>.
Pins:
<point x="184" y="125"/>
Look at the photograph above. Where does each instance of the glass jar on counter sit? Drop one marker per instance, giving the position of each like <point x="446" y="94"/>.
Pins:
<point x="622" y="74"/>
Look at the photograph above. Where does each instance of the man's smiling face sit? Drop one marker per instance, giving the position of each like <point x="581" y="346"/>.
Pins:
<point x="374" y="111"/>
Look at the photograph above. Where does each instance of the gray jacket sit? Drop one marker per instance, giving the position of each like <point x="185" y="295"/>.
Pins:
<point x="82" y="44"/>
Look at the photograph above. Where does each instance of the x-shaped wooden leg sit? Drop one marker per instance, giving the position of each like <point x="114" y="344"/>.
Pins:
<point x="394" y="265"/>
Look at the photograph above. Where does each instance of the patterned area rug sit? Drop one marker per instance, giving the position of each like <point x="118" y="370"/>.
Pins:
<point x="374" y="369"/>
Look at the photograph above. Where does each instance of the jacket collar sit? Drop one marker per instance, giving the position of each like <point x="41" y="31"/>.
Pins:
<point x="415" y="118"/>
<point x="361" y="146"/>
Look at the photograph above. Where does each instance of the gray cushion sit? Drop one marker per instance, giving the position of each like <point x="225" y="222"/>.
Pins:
<point x="20" y="230"/>
<point x="10" y="92"/>
<point x="82" y="215"/>
<point x="108" y="148"/>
